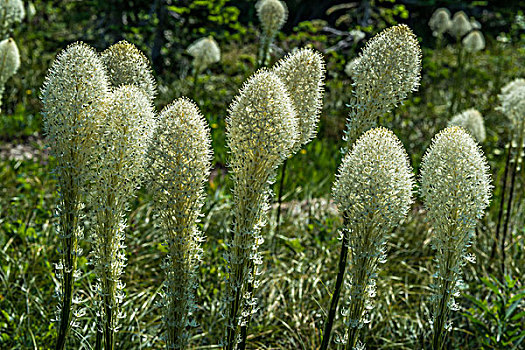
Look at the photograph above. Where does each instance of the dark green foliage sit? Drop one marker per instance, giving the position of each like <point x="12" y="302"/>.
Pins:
<point x="498" y="318"/>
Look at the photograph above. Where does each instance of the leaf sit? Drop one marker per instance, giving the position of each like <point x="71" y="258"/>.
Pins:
<point x="511" y="309"/>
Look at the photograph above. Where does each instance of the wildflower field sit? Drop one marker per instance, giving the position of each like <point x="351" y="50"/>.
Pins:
<point x="262" y="174"/>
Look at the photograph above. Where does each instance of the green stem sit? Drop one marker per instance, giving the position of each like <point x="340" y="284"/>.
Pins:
<point x="195" y="83"/>
<point x="337" y="292"/>
<point x="502" y="201"/>
<point x="439" y="335"/>
<point x="264" y="50"/>
<point x="280" y="196"/>
<point x="506" y="225"/>
<point x="69" y="262"/>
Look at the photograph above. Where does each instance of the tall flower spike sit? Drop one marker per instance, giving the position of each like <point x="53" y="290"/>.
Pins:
<point x="440" y="21"/>
<point x="272" y="14"/>
<point x="205" y="52"/>
<point x="261" y="132"/>
<point x="12" y="11"/>
<point x="72" y="95"/>
<point x="512" y="101"/>
<point x="472" y="121"/>
<point x="460" y="25"/>
<point x="127" y="65"/>
<point x="180" y="160"/>
<point x="509" y="87"/>
<point x="373" y="192"/>
<point x="456" y="188"/>
<point x="9" y="62"/>
<point x="474" y="41"/>
<point x="303" y="74"/>
<point x="118" y="163"/>
<point x="389" y="68"/>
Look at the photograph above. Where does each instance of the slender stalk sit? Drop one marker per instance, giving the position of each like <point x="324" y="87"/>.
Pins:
<point x="514" y="172"/>
<point x="439" y="337"/>
<point x="358" y="288"/>
<point x="337" y="292"/>
<point x="280" y="196"/>
<point x="244" y="329"/>
<point x="457" y="79"/>
<point x="69" y="260"/>
<point x="502" y="202"/>
<point x="100" y="334"/>
<point x="264" y="50"/>
<point x="196" y="72"/>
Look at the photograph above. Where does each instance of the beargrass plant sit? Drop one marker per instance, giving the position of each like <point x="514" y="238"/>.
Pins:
<point x="456" y="188"/>
<point x="303" y="74"/>
<point x="11" y="12"/>
<point x="119" y="158"/>
<point x="73" y="98"/>
<point x="205" y="52"/>
<point x="273" y="15"/>
<point x="127" y="65"/>
<point x="261" y="131"/>
<point x="180" y="161"/>
<point x="388" y="70"/>
<point x="512" y="104"/>
<point x="9" y="62"/>
<point x="373" y="193"/>
<point x="439" y="23"/>
<point x="472" y="121"/>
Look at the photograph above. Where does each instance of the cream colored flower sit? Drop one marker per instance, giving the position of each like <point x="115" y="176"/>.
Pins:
<point x="387" y="71"/>
<point x="12" y="11"/>
<point x="303" y="75"/>
<point x="272" y="14"/>
<point x="440" y="21"/>
<point x="460" y="25"/>
<point x="10" y="58"/>
<point x="205" y="52"/>
<point x="472" y="121"/>
<point x="127" y="65"/>
<point x="474" y="41"/>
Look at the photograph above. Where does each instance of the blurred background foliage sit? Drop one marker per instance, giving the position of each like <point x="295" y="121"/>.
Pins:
<point x="301" y="258"/>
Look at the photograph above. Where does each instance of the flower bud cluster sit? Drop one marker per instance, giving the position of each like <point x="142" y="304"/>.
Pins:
<point x="205" y="52"/>
<point x="10" y="62"/>
<point x="440" y="21"/>
<point x="302" y="72"/>
<point x="272" y="14"/>
<point x="262" y="129"/>
<point x="474" y="41"/>
<point x="373" y="192"/>
<point x="12" y="11"/>
<point x="180" y="161"/>
<point x="472" y="121"/>
<point x="388" y="69"/>
<point x="127" y="65"/>
<point x="456" y="188"/>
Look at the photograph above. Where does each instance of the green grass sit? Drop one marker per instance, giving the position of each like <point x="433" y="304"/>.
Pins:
<point x="300" y="262"/>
